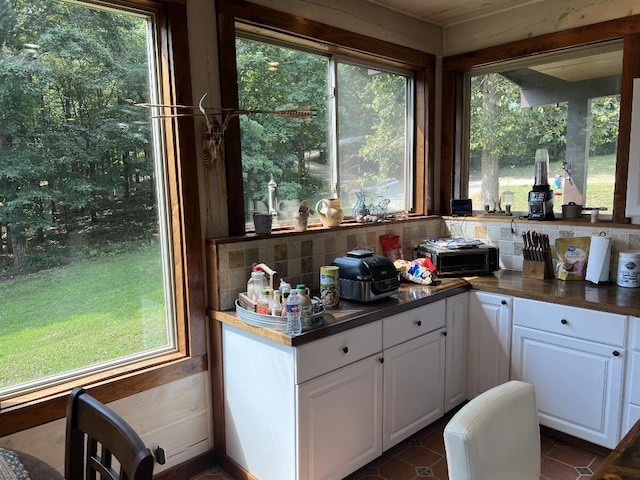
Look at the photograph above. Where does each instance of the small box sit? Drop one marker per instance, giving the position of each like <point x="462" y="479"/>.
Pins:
<point x="461" y="207"/>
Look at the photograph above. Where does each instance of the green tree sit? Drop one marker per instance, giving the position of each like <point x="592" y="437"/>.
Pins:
<point x="74" y="150"/>
<point x="273" y="145"/>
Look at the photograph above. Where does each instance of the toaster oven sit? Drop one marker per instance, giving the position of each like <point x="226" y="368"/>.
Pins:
<point x="459" y="262"/>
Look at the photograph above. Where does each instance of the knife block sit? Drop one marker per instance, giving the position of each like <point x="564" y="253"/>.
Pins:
<point x="540" y="269"/>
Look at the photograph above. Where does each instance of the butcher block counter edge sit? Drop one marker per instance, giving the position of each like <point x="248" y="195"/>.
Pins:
<point x="605" y="297"/>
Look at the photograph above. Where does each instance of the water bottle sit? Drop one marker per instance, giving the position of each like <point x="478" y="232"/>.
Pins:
<point x="294" y="322"/>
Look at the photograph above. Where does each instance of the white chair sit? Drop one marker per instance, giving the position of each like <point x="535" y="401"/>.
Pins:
<point x="496" y="436"/>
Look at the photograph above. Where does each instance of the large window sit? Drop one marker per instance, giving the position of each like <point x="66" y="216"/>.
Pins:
<point x="359" y="141"/>
<point x="87" y="279"/>
<point x="567" y="104"/>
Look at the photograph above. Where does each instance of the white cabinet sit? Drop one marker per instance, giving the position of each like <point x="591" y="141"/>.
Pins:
<point x="340" y="420"/>
<point x="457" y="346"/>
<point x="632" y="396"/>
<point x="425" y="374"/>
<point x="326" y="408"/>
<point x="489" y="341"/>
<point x="339" y="400"/>
<point x="577" y="376"/>
<point x="413" y="386"/>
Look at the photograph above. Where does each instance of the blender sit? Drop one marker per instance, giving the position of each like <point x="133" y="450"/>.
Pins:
<point x="541" y="197"/>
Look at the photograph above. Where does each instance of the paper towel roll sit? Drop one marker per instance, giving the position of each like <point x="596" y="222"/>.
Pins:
<point x="599" y="259"/>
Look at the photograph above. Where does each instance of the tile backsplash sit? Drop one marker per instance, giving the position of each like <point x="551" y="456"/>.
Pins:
<point x="507" y="236"/>
<point x="298" y="258"/>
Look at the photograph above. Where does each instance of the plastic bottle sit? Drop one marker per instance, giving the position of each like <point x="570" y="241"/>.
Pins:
<point x="305" y="299"/>
<point x="255" y="284"/>
<point x="629" y="269"/>
<point x="285" y="290"/>
<point x="264" y="302"/>
<point x="275" y="305"/>
<point x="294" y="322"/>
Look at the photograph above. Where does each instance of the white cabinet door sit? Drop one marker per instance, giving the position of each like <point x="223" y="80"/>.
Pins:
<point x="489" y="341"/>
<point x="632" y="386"/>
<point x="578" y="383"/>
<point x="340" y="420"/>
<point x="413" y="386"/>
<point x="456" y="346"/>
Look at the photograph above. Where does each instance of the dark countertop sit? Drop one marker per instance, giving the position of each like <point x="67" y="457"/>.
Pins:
<point x="353" y="314"/>
<point x="624" y="461"/>
<point x="577" y="293"/>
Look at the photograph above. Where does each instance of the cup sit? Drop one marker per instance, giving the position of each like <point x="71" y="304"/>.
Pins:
<point x="300" y="221"/>
<point x="262" y="223"/>
<point x="330" y="285"/>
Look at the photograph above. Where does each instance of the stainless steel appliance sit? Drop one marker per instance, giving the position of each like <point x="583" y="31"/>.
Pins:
<point x="365" y="277"/>
<point x="458" y="262"/>
<point x="541" y="196"/>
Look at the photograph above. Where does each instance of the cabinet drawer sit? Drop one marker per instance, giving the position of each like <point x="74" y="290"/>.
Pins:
<point x="338" y="350"/>
<point x="601" y="327"/>
<point x="413" y="323"/>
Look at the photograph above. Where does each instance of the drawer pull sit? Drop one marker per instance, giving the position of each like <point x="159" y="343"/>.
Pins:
<point x="345" y="349"/>
<point x="564" y="321"/>
<point x="381" y="359"/>
<point x="616" y="353"/>
<point x="503" y="302"/>
<point x="419" y="323"/>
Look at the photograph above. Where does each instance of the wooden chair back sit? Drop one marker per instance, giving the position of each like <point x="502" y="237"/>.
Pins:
<point x="96" y="436"/>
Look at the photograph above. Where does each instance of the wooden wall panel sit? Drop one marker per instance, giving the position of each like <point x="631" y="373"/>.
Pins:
<point x="630" y="70"/>
<point x="533" y="20"/>
<point x="175" y="416"/>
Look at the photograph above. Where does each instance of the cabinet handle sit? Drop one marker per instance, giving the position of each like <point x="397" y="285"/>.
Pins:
<point x="345" y="349"/>
<point x="419" y="323"/>
<point x="503" y="302"/>
<point x="616" y="353"/>
<point x="564" y="321"/>
<point x="381" y="359"/>
<point x="444" y="333"/>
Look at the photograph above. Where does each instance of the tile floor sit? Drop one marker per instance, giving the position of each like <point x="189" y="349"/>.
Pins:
<point x="422" y="457"/>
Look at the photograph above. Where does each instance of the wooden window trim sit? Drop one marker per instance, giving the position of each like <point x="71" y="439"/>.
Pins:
<point x="191" y="357"/>
<point x="454" y="68"/>
<point x="337" y="40"/>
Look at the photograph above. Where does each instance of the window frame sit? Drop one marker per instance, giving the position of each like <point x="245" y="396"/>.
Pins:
<point x="336" y="41"/>
<point x="334" y="60"/>
<point x="457" y="67"/>
<point x="190" y="357"/>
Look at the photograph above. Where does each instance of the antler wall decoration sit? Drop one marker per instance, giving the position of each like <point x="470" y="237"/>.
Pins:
<point x="217" y="120"/>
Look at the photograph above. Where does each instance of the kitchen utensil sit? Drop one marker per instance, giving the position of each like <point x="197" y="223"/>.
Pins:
<point x="571" y="210"/>
<point x="541" y="195"/>
<point x="536" y="254"/>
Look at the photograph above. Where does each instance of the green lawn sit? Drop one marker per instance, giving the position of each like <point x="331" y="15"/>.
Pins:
<point x="520" y="180"/>
<point x="82" y="314"/>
